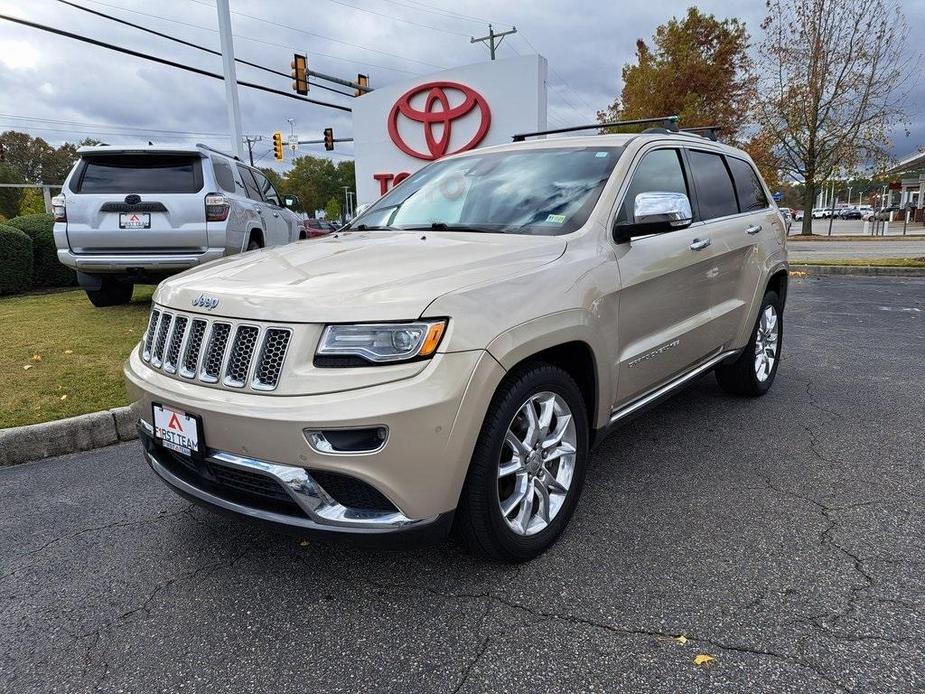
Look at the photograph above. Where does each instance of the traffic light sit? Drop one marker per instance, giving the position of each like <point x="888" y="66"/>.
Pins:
<point x="299" y="67"/>
<point x="363" y="81"/>
<point x="329" y="139"/>
<point x="278" y="146"/>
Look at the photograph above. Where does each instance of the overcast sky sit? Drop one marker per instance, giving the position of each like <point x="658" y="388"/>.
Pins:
<point x="61" y="89"/>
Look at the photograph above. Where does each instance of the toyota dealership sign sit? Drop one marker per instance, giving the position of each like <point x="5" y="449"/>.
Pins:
<point x="400" y="128"/>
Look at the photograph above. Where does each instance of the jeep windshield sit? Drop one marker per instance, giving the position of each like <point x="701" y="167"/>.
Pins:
<point x="543" y="191"/>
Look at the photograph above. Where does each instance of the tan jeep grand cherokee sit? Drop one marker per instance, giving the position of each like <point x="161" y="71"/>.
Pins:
<point x="450" y="358"/>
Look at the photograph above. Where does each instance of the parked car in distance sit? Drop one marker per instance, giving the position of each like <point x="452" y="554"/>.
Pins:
<point x="819" y="213"/>
<point x="447" y="362"/>
<point x="849" y="213"/>
<point x="866" y="211"/>
<point x="314" y="228"/>
<point x="887" y="214"/>
<point x="130" y="215"/>
<point x="798" y="215"/>
<point x="788" y="216"/>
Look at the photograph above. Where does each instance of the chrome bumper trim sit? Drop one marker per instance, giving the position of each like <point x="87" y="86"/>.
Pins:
<point x="149" y="261"/>
<point x="321" y="511"/>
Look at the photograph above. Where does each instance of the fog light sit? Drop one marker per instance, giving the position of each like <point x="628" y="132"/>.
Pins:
<point x="354" y="441"/>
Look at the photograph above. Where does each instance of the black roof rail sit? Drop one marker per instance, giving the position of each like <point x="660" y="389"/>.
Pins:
<point x="218" y="151"/>
<point x="707" y="131"/>
<point x="668" y="122"/>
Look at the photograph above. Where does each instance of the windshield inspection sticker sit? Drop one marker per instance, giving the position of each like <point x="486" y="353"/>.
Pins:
<point x="600" y="154"/>
<point x="556" y="219"/>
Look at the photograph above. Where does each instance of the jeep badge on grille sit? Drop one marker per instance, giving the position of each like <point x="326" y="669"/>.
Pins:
<point x="206" y="302"/>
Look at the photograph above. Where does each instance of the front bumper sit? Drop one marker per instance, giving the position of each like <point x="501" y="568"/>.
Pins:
<point x="153" y="263"/>
<point x="433" y="420"/>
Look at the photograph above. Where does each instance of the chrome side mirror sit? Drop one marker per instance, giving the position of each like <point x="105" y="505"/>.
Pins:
<point x="673" y="209"/>
<point x="656" y="213"/>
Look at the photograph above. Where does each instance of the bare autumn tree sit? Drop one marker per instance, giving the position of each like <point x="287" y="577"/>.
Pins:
<point x="829" y="85"/>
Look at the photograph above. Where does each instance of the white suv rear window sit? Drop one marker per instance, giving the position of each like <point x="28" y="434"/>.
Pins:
<point x="140" y="173"/>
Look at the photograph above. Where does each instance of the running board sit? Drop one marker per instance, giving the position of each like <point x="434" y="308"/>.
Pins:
<point x="665" y="390"/>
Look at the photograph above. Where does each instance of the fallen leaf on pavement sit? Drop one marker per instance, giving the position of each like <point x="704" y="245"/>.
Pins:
<point x="797" y="273"/>
<point x="36" y="357"/>
<point x="682" y="639"/>
<point x="27" y="367"/>
<point x="64" y="397"/>
<point x="304" y="543"/>
<point x="68" y="351"/>
<point x="703" y="659"/>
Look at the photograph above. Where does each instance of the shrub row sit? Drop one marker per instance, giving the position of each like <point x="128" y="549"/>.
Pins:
<point x="44" y="270"/>
<point x="15" y="260"/>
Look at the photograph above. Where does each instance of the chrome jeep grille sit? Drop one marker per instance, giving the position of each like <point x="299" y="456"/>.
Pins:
<point x="216" y="351"/>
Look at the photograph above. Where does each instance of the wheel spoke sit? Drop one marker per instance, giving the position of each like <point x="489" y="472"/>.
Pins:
<point x="547" y="409"/>
<point x="542" y="496"/>
<point x="515" y="465"/>
<point x="533" y="425"/>
<point x="554" y="485"/>
<point x="555" y="437"/>
<point x="526" y="509"/>
<point x="520" y="491"/>
<point x="560" y="450"/>
<point x="520" y="447"/>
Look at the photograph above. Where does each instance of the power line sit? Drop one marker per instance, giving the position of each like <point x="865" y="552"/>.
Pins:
<point x="250" y="38"/>
<point x="140" y="27"/>
<point x="396" y="19"/>
<point x="320" y="36"/>
<point x="164" y="61"/>
<point x="58" y="121"/>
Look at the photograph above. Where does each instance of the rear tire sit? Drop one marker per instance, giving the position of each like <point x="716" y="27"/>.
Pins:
<point x="512" y="459"/>
<point x="112" y="292"/>
<point x="254" y="244"/>
<point x="752" y="374"/>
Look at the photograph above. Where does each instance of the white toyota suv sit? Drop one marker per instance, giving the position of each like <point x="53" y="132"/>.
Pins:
<point x="139" y="214"/>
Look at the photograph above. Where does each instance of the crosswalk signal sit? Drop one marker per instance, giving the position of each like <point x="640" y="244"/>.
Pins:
<point x="299" y="74"/>
<point x="329" y="139"/>
<point x="363" y="81"/>
<point x="278" y="146"/>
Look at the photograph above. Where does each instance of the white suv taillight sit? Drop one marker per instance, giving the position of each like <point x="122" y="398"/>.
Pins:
<point x="58" y="208"/>
<point x="217" y="207"/>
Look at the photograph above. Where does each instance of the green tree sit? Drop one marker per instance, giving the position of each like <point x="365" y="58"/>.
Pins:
<point x="698" y="69"/>
<point x="35" y="160"/>
<point x="315" y="180"/>
<point x="32" y="202"/>
<point x="332" y="209"/>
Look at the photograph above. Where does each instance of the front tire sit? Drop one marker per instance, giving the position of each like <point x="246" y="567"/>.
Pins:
<point x="112" y="292"/>
<point x="752" y="374"/>
<point x="528" y="467"/>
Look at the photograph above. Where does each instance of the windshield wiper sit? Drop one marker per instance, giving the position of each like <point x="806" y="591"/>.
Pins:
<point x="373" y="227"/>
<point x="443" y="226"/>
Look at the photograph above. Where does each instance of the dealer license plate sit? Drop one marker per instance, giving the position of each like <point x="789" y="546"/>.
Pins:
<point x="134" y="220"/>
<point x="176" y="429"/>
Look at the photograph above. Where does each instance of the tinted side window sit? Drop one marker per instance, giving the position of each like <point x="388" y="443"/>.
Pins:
<point x="714" y="186"/>
<point x="249" y="184"/>
<point x="224" y="176"/>
<point x="659" y="171"/>
<point x="748" y="185"/>
<point x="267" y="189"/>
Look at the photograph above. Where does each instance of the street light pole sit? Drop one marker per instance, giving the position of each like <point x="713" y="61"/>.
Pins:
<point x="231" y="78"/>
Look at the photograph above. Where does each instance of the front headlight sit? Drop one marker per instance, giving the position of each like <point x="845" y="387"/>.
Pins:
<point x="381" y="343"/>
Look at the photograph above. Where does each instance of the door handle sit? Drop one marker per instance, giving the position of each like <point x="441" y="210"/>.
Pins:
<point x="700" y="244"/>
<point x="753" y="229"/>
<point x="276" y="214"/>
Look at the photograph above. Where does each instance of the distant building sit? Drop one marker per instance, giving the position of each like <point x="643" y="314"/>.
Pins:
<point x="912" y="190"/>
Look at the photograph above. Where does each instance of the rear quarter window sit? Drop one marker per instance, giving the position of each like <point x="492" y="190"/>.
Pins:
<point x="715" y="192"/>
<point x="224" y="176"/>
<point x="748" y="185"/>
<point x="140" y="173"/>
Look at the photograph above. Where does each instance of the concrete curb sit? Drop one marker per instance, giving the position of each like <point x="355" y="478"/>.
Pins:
<point x="857" y="270"/>
<point x="72" y="435"/>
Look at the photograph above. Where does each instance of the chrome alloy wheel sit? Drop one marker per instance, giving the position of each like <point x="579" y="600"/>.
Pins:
<point x="766" y="344"/>
<point x="537" y="463"/>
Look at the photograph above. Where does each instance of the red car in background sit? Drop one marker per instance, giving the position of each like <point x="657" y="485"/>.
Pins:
<point x="316" y="227"/>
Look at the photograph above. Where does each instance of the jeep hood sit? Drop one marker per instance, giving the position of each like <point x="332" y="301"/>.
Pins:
<point x="356" y="276"/>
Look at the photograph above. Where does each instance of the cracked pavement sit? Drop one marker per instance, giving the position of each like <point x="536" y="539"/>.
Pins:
<point x="783" y="536"/>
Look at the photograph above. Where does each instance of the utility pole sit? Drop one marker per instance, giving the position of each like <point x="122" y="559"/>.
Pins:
<point x="251" y="141"/>
<point x="231" y="77"/>
<point x="493" y="40"/>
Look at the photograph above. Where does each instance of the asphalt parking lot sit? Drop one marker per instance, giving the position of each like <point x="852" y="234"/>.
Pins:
<point x="783" y="537"/>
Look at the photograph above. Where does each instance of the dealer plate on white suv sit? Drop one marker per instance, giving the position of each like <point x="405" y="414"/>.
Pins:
<point x="176" y="429"/>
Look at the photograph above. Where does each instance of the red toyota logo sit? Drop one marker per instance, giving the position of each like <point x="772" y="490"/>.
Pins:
<point x="444" y="115"/>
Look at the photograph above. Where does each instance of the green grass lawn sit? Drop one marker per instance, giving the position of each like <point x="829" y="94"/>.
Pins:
<point x="74" y="354"/>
